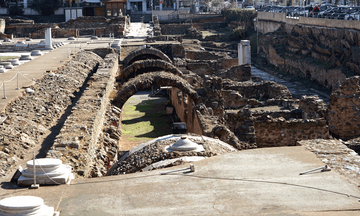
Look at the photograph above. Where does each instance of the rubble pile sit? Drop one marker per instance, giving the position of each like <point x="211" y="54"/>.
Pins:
<point x="151" y="153"/>
<point x="337" y="155"/>
<point x="30" y="118"/>
<point x="83" y="141"/>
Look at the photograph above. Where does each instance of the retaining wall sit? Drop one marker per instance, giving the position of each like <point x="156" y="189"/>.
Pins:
<point x="77" y="142"/>
<point x="270" y="21"/>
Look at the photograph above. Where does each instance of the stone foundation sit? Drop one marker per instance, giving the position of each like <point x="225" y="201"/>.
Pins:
<point x="77" y="143"/>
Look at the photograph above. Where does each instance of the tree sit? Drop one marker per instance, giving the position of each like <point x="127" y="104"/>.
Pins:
<point x="15" y="10"/>
<point x="46" y="7"/>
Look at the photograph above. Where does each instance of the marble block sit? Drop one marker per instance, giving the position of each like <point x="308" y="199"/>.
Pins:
<point x="25" y="57"/>
<point x="48" y="172"/>
<point x="24" y="205"/>
<point x="36" y="53"/>
<point x="14" y="62"/>
<point x="184" y="144"/>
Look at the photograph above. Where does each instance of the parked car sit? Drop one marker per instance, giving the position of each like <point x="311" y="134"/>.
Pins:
<point x="249" y="8"/>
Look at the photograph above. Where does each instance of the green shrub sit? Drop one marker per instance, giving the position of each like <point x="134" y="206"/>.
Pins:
<point x="46" y="7"/>
<point x="15" y="10"/>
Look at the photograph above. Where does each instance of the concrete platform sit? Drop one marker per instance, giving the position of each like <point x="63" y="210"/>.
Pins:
<point x="252" y="182"/>
<point x="36" y="68"/>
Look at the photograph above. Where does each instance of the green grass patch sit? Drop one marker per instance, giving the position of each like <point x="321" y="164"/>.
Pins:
<point x="145" y="120"/>
<point x="5" y="58"/>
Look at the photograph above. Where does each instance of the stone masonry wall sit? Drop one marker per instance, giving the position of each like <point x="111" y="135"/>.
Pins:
<point x="276" y="132"/>
<point x="324" y="55"/>
<point x="77" y="141"/>
<point x="185" y="111"/>
<point x="343" y="114"/>
<point x="31" y="118"/>
<point x="175" y="29"/>
<point x="237" y="73"/>
<point x="204" y="55"/>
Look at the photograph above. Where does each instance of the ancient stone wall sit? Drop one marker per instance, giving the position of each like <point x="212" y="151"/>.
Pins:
<point x="313" y="106"/>
<point x="261" y="91"/>
<point x="32" y="118"/>
<point x="210" y="67"/>
<point x="175" y="29"/>
<point x="272" y="132"/>
<point x="185" y="111"/>
<point x="204" y="55"/>
<point x="209" y="25"/>
<point x="343" y="114"/>
<point x="325" y="55"/>
<point x="242" y="124"/>
<point x="237" y="73"/>
<point x="25" y="29"/>
<point x="77" y="143"/>
<point x="86" y="25"/>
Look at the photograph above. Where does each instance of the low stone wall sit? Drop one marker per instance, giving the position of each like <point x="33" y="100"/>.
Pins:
<point x="209" y="25"/>
<point x="205" y="67"/>
<point x="86" y="25"/>
<point x="25" y="29"/>
<point x="204" y="55"/>
<point x="239" y="73"/>
<point x="280" y="132"/>
<point x="343" y="114"/>
<point x="32" y="118"/>
<point x="77" y="142"/>
<point x="260" y="91"/>
<point x="175" y="29"/>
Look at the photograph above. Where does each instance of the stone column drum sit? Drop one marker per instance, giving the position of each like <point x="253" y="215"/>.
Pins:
<point x="244" y="52"/>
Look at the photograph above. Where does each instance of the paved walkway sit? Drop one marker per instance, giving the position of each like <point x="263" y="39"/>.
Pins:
<point x="36" y="68"/>
<point x="252" y="182"/>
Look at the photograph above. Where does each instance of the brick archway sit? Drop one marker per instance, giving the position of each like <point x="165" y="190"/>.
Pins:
<point x="147" y="80"/>
<point x="145" y="53"/>
<point x="150" y="65"/>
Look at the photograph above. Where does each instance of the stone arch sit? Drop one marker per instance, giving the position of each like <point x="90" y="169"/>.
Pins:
<point x="145" y="53"/>
<point x="150" y="65"/>
<point x="147" y="80"/>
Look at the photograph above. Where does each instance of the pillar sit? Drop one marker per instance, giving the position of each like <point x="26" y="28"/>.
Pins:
<point x="161" y="5"/>
<point x="48" y="42"/>
<point x="177" y="4"/>
<point x="144" y="6"/>
<point x="128" y="5"/>
<point x="25" y="3"/>
<point x="244" y="52"/>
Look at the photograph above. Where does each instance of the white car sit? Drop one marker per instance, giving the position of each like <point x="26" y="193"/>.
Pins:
<point x="249" y="8"/>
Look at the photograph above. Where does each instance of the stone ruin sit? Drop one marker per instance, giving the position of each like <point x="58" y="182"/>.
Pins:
<point x="210" y="92"/>
<point x="86" y="25"/>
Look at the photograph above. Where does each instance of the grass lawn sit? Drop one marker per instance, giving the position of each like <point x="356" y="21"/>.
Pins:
<point x="144" y="119"/>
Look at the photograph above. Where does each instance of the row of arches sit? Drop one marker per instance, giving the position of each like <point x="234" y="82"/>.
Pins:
<point x="150" y="67"/>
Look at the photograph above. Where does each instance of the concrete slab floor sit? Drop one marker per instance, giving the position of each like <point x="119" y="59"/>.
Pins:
<point x="252" y="182"/>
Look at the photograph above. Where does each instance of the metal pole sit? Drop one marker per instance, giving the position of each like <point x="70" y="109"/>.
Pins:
<point x="4" y="90"/>
<point x="34" y="186"/>
<point x="34" y="168"/>
<point x="17" y="81"/>
<point x="257" y="35"/>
